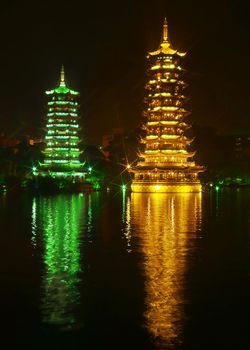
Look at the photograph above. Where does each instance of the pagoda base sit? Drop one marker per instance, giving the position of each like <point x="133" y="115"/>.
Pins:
<point x="166" y="187"/>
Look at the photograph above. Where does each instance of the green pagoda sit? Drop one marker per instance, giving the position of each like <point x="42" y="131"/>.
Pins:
<point x="166" y="164"/>
<point x="62" y="153"/>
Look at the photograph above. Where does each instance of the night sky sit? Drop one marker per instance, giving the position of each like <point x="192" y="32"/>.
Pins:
<point x="103" y="47"/>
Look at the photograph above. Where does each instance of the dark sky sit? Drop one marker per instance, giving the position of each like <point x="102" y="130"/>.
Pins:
<point x="103" y="47"/>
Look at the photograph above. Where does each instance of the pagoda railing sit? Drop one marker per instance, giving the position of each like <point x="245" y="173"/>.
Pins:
<point x="167" y="180"/>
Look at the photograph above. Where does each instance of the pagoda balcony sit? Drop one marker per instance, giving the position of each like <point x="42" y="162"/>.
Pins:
<point x="165" y="150"/>
<point x="160" y="95"/>
<point x="166" y="105"/>
<point x="164" y="165"/>
<point x="169" y="152"/>
<point x="163" y="122"/>
<point x="162" y="137"/>
<point x="167" y="179"/>
<point x="164" y="108"/>
<point x="169" y="136"/>
<point x="151" y="137"/>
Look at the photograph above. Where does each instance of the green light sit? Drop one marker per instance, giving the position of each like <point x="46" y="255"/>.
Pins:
<point x="62" y="90"/>
<point x="124" y="187"/>
<point x="61" y="219"/>
<point x="61" y="125"/>
<point x="217" y="188"/>
<point x="89" y="169"/>
<point x="62" y="103"/>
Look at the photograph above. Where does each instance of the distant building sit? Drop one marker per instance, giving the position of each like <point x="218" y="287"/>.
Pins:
<point x="6" y="141"/>
<point x="242" y="147"/>
<point x="165" y="165"/>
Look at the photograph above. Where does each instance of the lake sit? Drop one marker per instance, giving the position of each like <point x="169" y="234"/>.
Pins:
<point x="122" y="270"/>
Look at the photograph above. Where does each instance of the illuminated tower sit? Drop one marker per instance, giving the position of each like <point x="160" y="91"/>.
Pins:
<point x="62" y="132"/>
<point x="166" y="165"/>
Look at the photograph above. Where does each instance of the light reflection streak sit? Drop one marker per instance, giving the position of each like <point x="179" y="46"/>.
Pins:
<point x="60" y="222"/>
<point x="126" y="219"/>
<point x="34" y="222"/>
<point x="165" y="226"/>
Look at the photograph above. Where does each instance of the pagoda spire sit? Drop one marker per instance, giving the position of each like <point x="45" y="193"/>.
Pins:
<point x="62" y="77"/>
<point x="165" y="45"/>
<point x="165" y="30"/>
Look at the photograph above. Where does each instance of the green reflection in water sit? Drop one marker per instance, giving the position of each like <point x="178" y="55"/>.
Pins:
<point x="166" y="227"/>
<point x="60" y="220"/>
<point x="126" y="219"/>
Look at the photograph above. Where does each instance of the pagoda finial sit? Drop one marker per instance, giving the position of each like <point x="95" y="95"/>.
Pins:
<point x="165" y="30"/>
<point x="62" y="80"/>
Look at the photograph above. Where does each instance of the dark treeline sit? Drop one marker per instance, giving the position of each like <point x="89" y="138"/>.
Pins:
<point x="226" y="158"/>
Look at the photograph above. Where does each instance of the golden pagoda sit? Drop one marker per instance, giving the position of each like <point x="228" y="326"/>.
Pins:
<point x="165" y="165"/>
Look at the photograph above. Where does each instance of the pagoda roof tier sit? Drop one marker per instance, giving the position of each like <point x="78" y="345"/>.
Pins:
<point x="62" y="88"/>
<point x="178" y="161"/>
<point x="70" y="166"/>
<point x="163" y="122"/>
<point x="164" y="151"/>
<point x="166" y="94"/>
<point x="163" y="66"/>
<point x="167" y="108"/>
<point x="63" y="104"/>
<point x="165" y="46"/>
<point x="189" y="167"/>
<point x="174" y="116"/>
<point x="168" y="122"/>
<point x="172" y="80"/>
<point x="69" y="162"/>
<point x="179" y="138"/>
<point x="62" y="149"/>
<point x="180" y="153"/>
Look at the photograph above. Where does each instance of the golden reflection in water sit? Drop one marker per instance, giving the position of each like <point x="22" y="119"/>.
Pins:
<point x="166" y="226"/>
<point x="59" y="219"/>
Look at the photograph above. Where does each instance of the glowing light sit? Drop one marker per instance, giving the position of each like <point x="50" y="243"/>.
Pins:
<point x="62" y="128"/>
<point x="61" y="218"/>
<point x="164" y="224"/>
<point x="166" y="156"/>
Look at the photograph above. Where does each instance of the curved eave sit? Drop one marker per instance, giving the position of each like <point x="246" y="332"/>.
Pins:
<point x="167" y="51"/>
<point x="172" y="153"/>
<point x="61" y="90"/>
<point x="165" y="168"/>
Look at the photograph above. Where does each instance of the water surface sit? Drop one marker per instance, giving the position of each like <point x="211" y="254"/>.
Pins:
<point x="126" y="271"/>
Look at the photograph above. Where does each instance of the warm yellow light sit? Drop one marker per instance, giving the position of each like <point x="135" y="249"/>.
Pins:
<point x="153" y="123"/>
<point x="170" y="66"/>
<point x="151" y="137"/>
<point x="157" y="187"/>
<point x="156" y="67"/>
